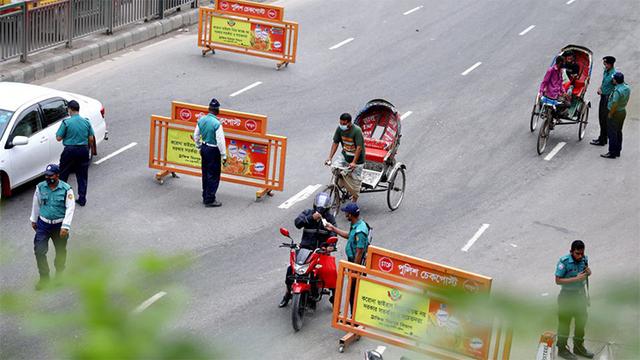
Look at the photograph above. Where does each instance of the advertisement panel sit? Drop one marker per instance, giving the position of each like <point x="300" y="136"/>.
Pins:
<point x="248" y="35"/>
<point x="250" y="9"/>
<point x="181" y="149"/>
<point x="231" y="120"/>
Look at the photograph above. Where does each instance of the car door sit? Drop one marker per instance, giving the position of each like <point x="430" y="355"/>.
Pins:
<point x="53" y="112"/>
<point x="28" y="161"/>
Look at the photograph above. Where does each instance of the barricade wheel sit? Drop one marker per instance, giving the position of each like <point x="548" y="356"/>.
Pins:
<point x="341" y="349"/>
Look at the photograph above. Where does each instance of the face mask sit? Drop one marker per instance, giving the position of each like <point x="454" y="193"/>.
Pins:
<point x="344" y="127"/>
<point x="51" y="180"/>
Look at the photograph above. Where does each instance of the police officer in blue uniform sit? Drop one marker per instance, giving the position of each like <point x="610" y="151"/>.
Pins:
<point x="51" y="215"/>
<point x="76" y="134"/>
<point x="572" y="272"/>
<point x="209" y="138"/>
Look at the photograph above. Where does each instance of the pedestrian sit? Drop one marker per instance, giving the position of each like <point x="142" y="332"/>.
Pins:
<point x="51" y="215"/>
<point x="605" y="89"/>
<point x="572" y="272"/>
<point x="209" y="138"/>
<point x="76" y="134"/>
<point x="617" y="106"/>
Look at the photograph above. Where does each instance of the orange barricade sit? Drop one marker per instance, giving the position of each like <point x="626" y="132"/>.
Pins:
<point x="254" y="157"/>
<point x="398" y="299"/>
<point x="248" y="28"/>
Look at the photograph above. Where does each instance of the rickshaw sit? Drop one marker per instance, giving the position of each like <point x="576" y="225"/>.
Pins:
<point x="380" y="124"/>
<point x="545" y="109"/>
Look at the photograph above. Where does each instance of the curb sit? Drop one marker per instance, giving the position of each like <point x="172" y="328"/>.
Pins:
<point x="57" y="63"/>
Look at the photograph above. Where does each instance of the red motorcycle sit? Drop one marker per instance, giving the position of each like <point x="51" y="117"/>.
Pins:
<point x="314" y="275"/>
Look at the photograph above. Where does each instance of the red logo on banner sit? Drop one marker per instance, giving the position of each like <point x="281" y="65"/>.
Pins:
<point x="385" y="264"/>
<point x="272" y="14"/>
<point x="251" y="125"/>
<point x="185" y="114"/>
<point x="224" y="5"/>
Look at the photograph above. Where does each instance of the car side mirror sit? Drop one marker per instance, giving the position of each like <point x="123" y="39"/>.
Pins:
<point x="284" y="232"/>
<point x="18" y="141"/>
<point x="332" y="240"/>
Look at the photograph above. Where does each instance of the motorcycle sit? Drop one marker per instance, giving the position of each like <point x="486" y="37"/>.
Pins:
<point x="313" y="273"/>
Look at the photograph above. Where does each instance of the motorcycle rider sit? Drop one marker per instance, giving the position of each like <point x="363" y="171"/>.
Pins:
<point x="314" y="233"/>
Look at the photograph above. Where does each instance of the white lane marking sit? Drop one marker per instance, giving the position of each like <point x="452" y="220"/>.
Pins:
<point x="412" y="10"/>
<point x="246" y="88"/>
<point x="555" y="150"/>
<point x="124" y="148"/>
<point x="475" y="237"/>
<point x="570" y="1"/>
<point x="527" y="30"/>
<point x="514" y="245"/>
<point x="545" y="294"/>
<point x="341" y="43"/>
<point x="471" y="68"/>
<point x="303" y="194"/>
<point x="406" y="115"/>
<point x="142" y="307"/>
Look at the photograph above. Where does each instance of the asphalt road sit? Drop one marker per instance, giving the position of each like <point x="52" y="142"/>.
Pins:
<point x="470" y="156"/>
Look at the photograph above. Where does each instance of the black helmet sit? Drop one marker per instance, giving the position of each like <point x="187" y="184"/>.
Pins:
<point x="322" y="202"/>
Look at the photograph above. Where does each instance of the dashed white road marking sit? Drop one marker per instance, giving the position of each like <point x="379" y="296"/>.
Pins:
<point x="341" y="43"/>
<point x="122" y="149"/>
<point x="527" y="30"/>
<point x="570" y="1"/>
<point x="544" y="294"/>
<point x="406" y="115"/>
<point x="142" y="307"/>
<point x="413" y="10"/>
<point x="514" y="245"/>
<point x="475" y="237"/>
<point x="246" y="88"/>
<point x="471" y="68"/>
<point x="303" y="194"/>
<point x="555" y="150"/>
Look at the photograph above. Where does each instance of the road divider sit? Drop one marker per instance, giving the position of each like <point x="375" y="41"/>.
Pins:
<point x="413" y="10"/>
<point x="555" y="150"/>
<point x="475" y="237"/>
<point x="303" y="194"/>
<point x="526" y="30"/>
<point x="257" y="83"/>
<point x="117" y="152"/>
<point x="473" y="67"/>
<point x="341" y="44"/>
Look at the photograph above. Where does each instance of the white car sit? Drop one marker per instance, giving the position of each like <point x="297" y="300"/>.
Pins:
<point x="30" y="115"/>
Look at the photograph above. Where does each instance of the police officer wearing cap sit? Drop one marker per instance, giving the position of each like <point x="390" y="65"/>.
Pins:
<point x="617" y="106"/>
<point x="604" y="91"/>
<point x="572" y="272"/>
<point x="76" y="134"/>
<point x="51" y="215"/>
<point x="209" y="138"/>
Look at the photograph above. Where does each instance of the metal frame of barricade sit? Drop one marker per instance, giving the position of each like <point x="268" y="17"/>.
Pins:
<point x="204" y="37"/>
<point x="158" y="156"/>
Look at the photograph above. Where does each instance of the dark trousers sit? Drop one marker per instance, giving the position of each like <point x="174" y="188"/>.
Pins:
<point x="44" y="232"/>
<point x="76" y="159"/>
<point x="571" y="305"/>
<point x="614" y="130"/>
<point x="603" y="113"/>
<point x="210" y="172"/>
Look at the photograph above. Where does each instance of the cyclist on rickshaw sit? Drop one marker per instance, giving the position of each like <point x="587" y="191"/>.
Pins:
<point x="352" y="156"/>
<point x="551" y="86"/>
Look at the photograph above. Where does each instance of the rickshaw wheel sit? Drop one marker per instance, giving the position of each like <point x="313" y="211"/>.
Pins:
<point x="535" y="117"/>
<point x="543" y="135"/>
<point x="396" y="188"/>
<point x="584" y="120"/>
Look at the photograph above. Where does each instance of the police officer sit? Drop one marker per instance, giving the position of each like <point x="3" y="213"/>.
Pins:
<point x="313" y="234"/>
<point x="51" y="215"/>
<point x="617" y="106"/>
<point x="605" y="89"/>
<point x="571" y="274"/>
<point x="209" y="138"/>
<point x="76" y="134"/>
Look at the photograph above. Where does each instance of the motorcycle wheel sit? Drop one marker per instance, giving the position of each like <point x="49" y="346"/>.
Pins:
<point x="297" y="311"/>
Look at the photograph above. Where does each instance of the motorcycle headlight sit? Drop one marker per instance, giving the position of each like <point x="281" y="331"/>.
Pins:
<point x="301" y="269"/>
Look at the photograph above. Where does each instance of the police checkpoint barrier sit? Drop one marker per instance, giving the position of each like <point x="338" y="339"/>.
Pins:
<point x="254" y="158"/>
<point x="399" y="299"/>
<point x="249" y="28"/>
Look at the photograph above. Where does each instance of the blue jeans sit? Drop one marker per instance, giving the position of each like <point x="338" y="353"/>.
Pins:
<point x="76" y="159"/>
<point x="44" y="232"/>
<point x="211" y="167"/>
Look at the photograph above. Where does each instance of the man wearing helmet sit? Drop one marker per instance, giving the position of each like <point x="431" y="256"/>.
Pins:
<point x="314" y="233"/>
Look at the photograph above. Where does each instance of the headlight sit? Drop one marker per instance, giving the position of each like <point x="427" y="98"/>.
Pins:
<point x="301" y="269"/>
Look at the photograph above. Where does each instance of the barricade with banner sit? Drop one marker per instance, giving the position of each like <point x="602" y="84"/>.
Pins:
<point x="399" y="299"/>
<point x="254" y="157"/>
<point x="248" y="28"/>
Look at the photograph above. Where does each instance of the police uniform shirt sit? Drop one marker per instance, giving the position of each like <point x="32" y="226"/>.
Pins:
<point x="210" y="132"/>
<point x="75" y="131"/>
<point x="53" y="205"/>
<point x="568" y="268"/>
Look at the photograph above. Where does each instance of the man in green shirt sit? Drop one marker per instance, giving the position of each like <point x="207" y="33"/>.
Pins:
<point x="617" y="106"/>
<point x="604" y="91"/>
<point x="352" y="156"/>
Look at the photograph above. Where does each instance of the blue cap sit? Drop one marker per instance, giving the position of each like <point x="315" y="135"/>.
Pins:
<point x="214" y="103"/>
<point x="351" y="208"/>
<point x="73" y="105"/>
<point x="52" y="169"/>
<point x="618" y="77"/>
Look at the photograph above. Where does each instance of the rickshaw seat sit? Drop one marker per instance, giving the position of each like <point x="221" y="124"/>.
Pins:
<point x="376" y="150"/>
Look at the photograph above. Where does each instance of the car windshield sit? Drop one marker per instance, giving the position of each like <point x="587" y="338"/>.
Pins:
<point x="5" y="116"/>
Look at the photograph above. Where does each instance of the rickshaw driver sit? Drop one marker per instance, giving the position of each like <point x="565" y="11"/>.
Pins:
<point x="352" y="156"/>
<point x="551" y="86"/>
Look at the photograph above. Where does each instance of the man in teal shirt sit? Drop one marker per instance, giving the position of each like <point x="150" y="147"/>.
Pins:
<point x="51" y="215"/>
<point x="604" y="91"/>
<point x="209" y="138"/>
<point x="76" y="134"/>
<point x="572" y="273"/>
<point x="617" y="107"/>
